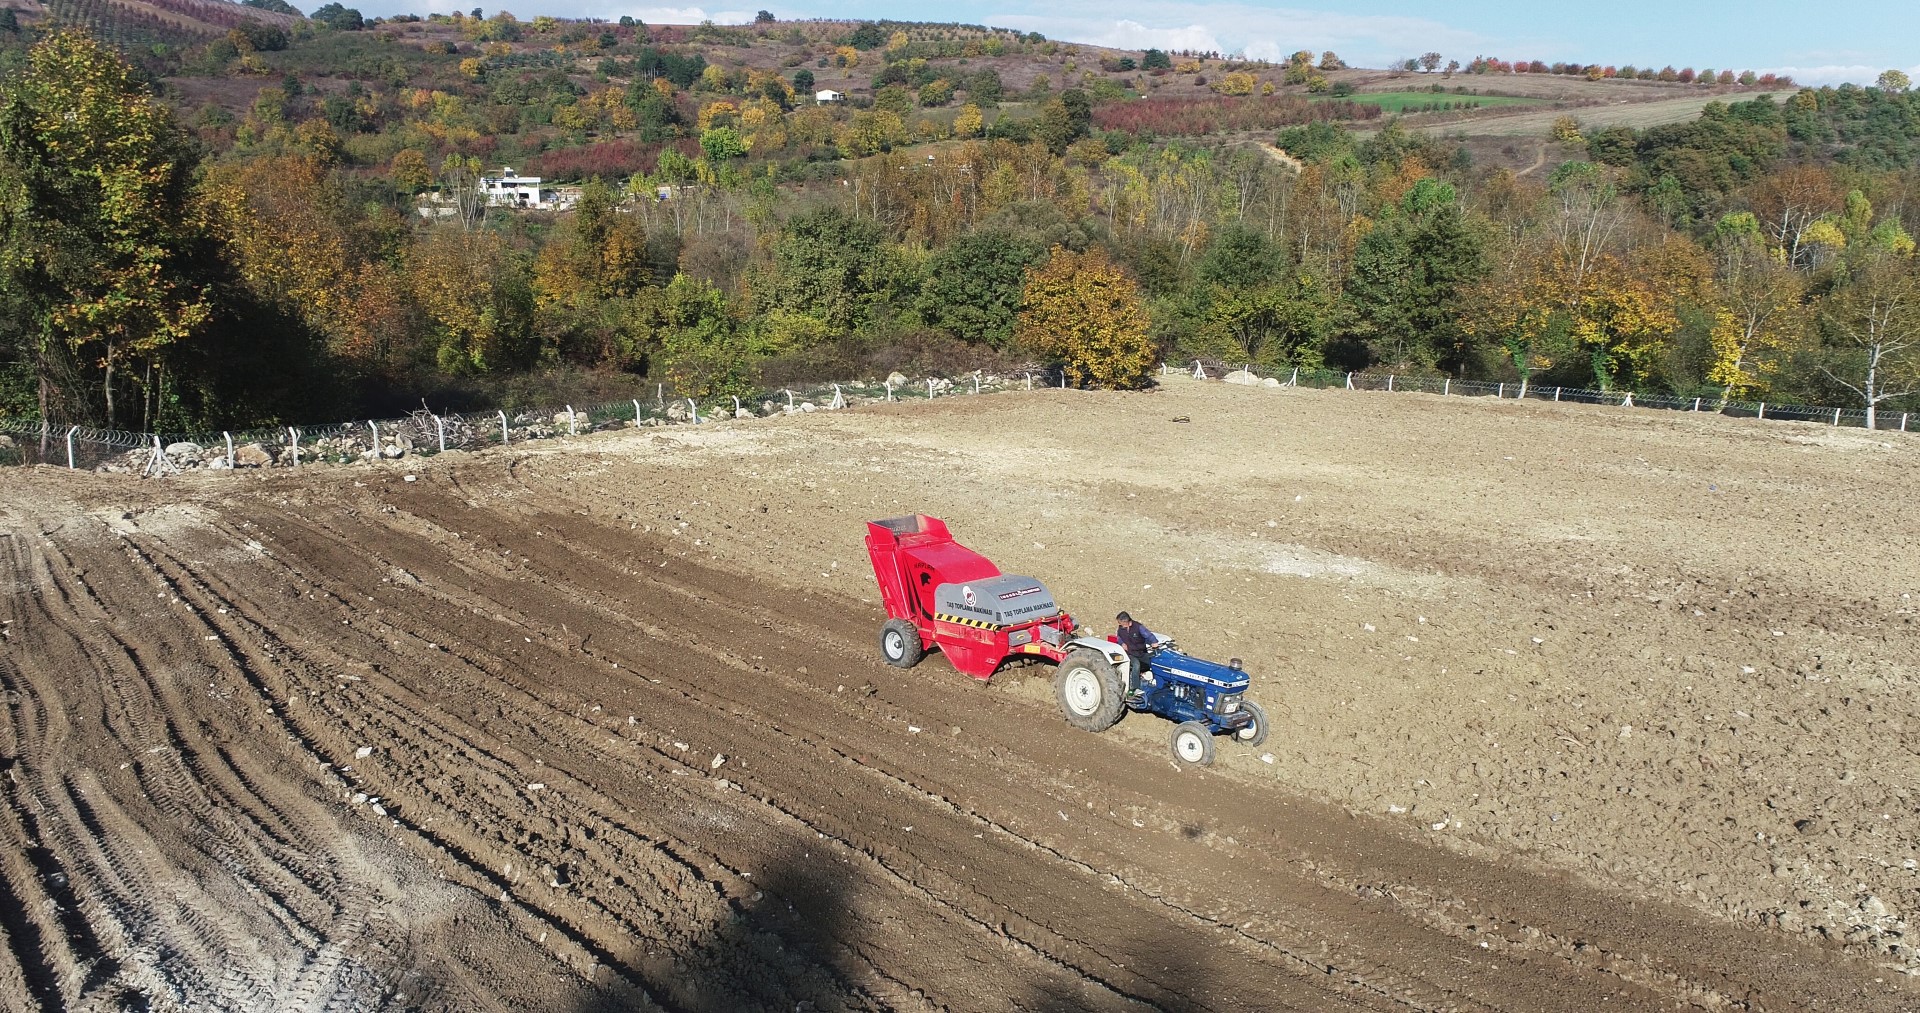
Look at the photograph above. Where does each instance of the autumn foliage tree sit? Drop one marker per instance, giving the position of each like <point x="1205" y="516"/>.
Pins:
<point x="102" y="236"/>
<point x="1083" y="311"/>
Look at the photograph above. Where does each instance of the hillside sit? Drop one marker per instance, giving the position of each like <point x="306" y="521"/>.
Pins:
<point x="631" y="206"/>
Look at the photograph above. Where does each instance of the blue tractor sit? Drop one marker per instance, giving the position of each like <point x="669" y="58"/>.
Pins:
<point x="1203" y="698"/>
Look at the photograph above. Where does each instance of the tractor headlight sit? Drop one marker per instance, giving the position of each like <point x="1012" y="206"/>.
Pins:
<point x="1233" y="705"/>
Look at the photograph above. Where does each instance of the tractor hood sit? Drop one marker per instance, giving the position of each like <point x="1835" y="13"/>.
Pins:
<point x="1224" y="678"/>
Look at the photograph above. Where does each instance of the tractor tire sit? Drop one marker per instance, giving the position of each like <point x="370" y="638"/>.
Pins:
<point x="1091" y="694"/>
<point x="1255" y="733"/>
<point x="900" y="643"/>
<point x="1193" y="743"/>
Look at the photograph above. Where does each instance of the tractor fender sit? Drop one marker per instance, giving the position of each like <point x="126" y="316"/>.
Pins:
<point x="1109" y="650"/>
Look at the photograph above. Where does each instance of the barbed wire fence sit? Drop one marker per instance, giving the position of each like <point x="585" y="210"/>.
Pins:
<point x="1885" y="420"/>
<point x="30" y="441"/>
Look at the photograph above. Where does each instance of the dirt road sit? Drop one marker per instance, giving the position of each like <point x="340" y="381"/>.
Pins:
<point x="600" y="726"/>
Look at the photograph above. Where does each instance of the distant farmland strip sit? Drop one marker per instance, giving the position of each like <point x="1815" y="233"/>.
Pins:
<point x="1172" y="117"/>
<point x="1428" y="101"/>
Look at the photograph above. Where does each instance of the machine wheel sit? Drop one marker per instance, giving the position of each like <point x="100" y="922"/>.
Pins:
<point x="1255" y="733"/>
<point x="1193" y="743"/>
<point x="1090" y="692"/>
<point x="900" y="643"/>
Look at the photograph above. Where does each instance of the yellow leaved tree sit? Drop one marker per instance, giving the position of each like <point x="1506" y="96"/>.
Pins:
<point x="1082" y="310"/>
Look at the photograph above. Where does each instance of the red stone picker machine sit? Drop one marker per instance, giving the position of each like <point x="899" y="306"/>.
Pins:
<point x="939" y="593"/>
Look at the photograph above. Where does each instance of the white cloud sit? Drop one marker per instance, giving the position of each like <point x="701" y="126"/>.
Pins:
<point x="1837" y="73"/>
<point x="609" y="10"/>
<point x="1259" y="32"/>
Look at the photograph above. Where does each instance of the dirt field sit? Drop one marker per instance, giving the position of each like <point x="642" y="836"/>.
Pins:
<point x="1576" y="708"/>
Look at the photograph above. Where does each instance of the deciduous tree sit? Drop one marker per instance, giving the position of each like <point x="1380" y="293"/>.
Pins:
<point x="1083" y="311"/>
<point x="1872" y="326"/>
<point x="101" y="233"/>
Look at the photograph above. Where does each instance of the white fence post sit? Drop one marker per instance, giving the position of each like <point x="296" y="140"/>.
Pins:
<point x="839" y="399"/>
<point x="1163" y="368"/>
<point x="1349" y="381"/>
<point x="1903" y="422"/>
<point x="636" y="413"/>
<point x="1696" y="404"/>
<point x="70" y="433"/>
<point x="976" y="384"/>
<point x="440" y="426"/>
<point x="660" y="394"/>
<point x="1836" y="416"/>
<point x="889" y="385"/>
<point x="1446" y="387"/>
<point x="1294" y="381"/>
<point x="736" y="406"/>
<point x="504" y="439"/>
<point x="789" y="400"/>
<point x="293" y="438"/>
<point x="1502" y="392"/>
<point x="573" y="427"/>
<point x="1627" y="402"/>
<point x="376" y="439"/>
<point x="1029" y="381"/>
<point x="693" y="410"/>
<point x="1198" y="373"/>
<point x="229" y="437"/>
<point x="1763" y="410"/>
<point x="1063" y="378"/>
<point x="929" y="388"/>
<point x="1556" y="393"/>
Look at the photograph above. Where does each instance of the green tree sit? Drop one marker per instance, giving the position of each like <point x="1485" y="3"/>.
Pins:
<point x="722" y="143"/>
<point x="829" y="265"/>
<point x="103" y="241"/>
<point x="803" y="82"/>
<point x="1240" y="257"/>
<point x="1410" y="276"/>
<point x="1083" y="311"/>
<point x="339" y="18"/>
<point x="702" y="351"/>
<point x="973" y="286"/>
<point x="1894" y="80"/>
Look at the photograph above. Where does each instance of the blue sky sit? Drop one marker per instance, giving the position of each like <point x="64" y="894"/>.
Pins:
<point x="1819" y="44"/>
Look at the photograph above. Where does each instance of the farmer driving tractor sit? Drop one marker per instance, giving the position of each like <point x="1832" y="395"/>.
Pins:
<point x="1135" y="639"/>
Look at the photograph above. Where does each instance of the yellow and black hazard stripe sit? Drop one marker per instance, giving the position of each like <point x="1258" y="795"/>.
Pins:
<point x="978" y="624"/>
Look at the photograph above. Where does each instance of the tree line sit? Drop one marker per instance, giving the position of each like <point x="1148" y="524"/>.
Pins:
<point x="1763" y="251"/>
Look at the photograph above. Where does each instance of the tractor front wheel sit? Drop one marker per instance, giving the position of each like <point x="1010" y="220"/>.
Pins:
<point x="1193" y="743"/>
<point x="900" y="643"/>
<point x="1256" y="731"/>
<point x="1090" y="692"/>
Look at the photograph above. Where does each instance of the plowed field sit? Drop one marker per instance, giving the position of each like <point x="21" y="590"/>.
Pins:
<point x="1575" y="709"/>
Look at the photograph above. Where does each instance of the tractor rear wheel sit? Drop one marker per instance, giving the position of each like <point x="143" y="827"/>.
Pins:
<point x="1256" y="732"/>
<point x="900" y="643"/>
<point x="1193" y="743"/>
<point x="1091" y="694"/>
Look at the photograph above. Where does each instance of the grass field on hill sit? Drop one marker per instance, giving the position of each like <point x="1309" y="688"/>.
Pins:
<point x="1394" y="102"/>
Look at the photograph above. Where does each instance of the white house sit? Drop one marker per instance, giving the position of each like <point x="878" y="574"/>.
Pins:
<point x="827" y="96"/>
<point x="511" y="190"/>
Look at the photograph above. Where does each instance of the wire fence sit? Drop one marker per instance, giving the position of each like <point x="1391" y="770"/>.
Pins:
<point x="30" y="441"/>
<point x="1883" y="420"/>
